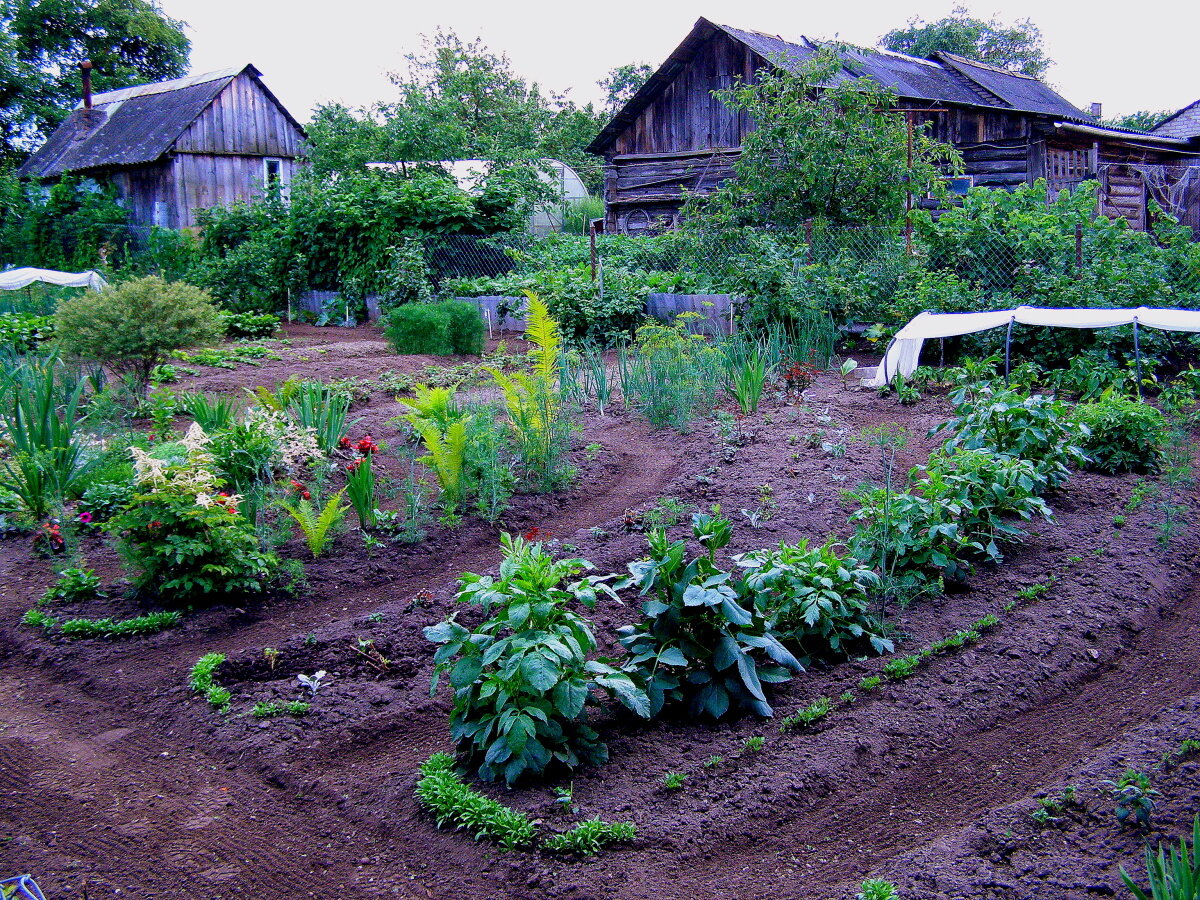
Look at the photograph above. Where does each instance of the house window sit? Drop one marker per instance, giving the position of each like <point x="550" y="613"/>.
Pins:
<point x="272" y="175"/>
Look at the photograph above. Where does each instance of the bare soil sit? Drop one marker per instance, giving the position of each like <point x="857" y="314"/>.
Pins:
<point x="116" y="780"/>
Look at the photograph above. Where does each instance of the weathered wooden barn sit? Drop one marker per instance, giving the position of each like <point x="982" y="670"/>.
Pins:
<point x="177" y="146"/>
<point x="674" y="136"/>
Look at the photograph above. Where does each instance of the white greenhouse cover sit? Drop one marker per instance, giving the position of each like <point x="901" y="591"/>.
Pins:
<point x="905" y="349"/>
<point x="19" y="278"/>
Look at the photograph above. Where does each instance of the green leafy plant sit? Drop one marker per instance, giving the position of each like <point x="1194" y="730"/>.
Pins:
<point x="151" y="623"/>
<point x="1171" y="877"/>
<point x="211" y="412"/>
<point x="1123" y="435"/>
<point x="73" y="585"/>
<point x="522" y="678"/>
<point x="1051" y="809"/>
<point x="674" y="781"/>
<point x="878" y="889"/>
<point x="1134" y="798"/>
<point x="747" y="372"/>
<point x="360" y="489"/>
<point x="590" y="837"/>
<point x="317" y="526"/>
<point x="754" y="743"/>
<point x="870" y="683"/>
<point x="441" y="791"/>
<point x="181" y="535"/>
<point x="808" y="715"/>
<point x="902" y="667"/>
<point x="202" y="680"/>
<point x="321" y="409"/>
<point x="1036" y="428"/>
<point x="698" y="642"/>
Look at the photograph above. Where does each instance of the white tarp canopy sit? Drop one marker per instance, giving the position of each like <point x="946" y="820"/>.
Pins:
<point x="905" y="349"/>
<point x="19" y="278"/>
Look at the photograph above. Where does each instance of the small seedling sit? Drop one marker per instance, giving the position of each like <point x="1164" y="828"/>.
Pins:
<point x="271" y="655"/>
<point x="870" y="683"/>
<point x="808" y="716"/>
<point x="902" y="667"/>
<point x="599" y="534"/>
<point x="1118" y="521"/>
<point x="713" y="761"/>
<point x="847" y="697"/>
<point x="1134" y="798"/>
<point x="264" y="710"/>
<point x="673" y="781"/>
<point x="877" y="889"/>
<point x="1051" y="809"/>
<point x="1036" y="591"/>
<point x="591" y="451"/>
<point x="565" y="796"/>
<point x="313" y="682"/>
<point x="754" y="744"/>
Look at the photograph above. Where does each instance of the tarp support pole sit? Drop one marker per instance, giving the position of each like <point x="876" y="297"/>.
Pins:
<point x="1137" y="356"/>
<point x="1008" y="349"/>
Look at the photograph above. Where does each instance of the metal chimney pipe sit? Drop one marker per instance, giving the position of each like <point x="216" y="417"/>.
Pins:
<point x="85" y="69"/>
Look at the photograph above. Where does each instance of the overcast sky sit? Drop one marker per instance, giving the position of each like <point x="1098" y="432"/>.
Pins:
<point x="1129" y="56"/>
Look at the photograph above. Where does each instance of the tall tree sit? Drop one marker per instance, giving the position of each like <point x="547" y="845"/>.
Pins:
<point x="621" y="83"/>
<point x="1142" y="120"/>
<point x="42" y="43"/>
<point x="1017" y="47"/>
<point x="823" y="148"/>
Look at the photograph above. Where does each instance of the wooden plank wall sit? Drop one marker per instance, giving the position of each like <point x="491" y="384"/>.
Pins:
<point x="206" y="180"/>
<point x="242" y="120"/>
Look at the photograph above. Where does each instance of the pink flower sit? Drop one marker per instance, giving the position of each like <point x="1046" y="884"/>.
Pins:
<point x="85" y="518"/>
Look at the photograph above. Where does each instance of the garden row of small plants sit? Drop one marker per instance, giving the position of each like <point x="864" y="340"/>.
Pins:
<point x="203" y="518"/>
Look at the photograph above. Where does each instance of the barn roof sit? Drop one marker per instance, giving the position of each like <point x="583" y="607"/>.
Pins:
<point x="944" y="78"/>
<point x="132" y="126"/>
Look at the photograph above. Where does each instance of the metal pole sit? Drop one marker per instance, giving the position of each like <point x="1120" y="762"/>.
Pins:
<point x="1008" y="349"/>
<point x="1137" y="355"/>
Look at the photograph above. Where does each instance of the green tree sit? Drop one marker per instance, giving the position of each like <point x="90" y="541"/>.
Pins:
<point x="1142" y="120"/>
<point x="42" y="43"/>
<point x="621" y="83"/>
<point x="1017" y="47"/>
<point x="823" y="149"/>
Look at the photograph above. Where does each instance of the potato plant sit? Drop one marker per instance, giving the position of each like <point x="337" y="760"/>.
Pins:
<point x="522" y="679"/>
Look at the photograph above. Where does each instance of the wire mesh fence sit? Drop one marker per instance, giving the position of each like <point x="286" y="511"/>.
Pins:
<point x="856" y="274"/>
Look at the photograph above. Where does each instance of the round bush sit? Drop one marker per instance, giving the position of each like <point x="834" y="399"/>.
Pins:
<point x="1126" y="435"/>
<point x="439" y="329"/>
<point x="134" y="326"/>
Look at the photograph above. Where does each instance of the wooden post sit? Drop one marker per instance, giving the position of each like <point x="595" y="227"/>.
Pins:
<point x="1078" y="249"/>
<point x="592" y="235"/>
<point x="908" y="197"/>
<point x="1137" y="355"/>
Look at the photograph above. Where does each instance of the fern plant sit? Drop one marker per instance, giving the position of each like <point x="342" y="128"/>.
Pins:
<point x="445" y="457"/>
<point x="318" y="527"/>
<point x="279" y="399"/>
<point x="534" y="401"/>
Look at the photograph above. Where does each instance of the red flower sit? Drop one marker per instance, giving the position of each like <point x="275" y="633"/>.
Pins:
<point x="366" y="446"/>
<point x="344" y="442"/>
<point x="536" y="534"/>
<point x="156" y="524"/>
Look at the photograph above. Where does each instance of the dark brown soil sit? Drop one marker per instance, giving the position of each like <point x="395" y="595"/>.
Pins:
<point x="114" y="776"/>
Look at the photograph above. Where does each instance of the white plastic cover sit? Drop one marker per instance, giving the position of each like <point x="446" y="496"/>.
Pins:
<point x="19" y="278"/>
<point x="905" y="350"/>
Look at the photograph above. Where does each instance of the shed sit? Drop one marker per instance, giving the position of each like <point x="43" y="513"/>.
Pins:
<point x="176" y="146"/>
<point x="674" y="137"/>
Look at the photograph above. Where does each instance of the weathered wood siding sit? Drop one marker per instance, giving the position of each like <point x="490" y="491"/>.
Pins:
<point x="148" y="193"/>
<point x="204" y="180"/>
<point x="242" y="120"/>
<point x="686" y="116"/>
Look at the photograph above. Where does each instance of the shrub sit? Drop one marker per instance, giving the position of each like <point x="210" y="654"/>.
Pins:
<point x="814" y="598"/>
<point x="522" y="679"/>
<point x="1037" y="428"/>
<point x="698" y="642"/>
<point x="182" y="537"/>
<point x="1125" y="435"/>
<point x="440" y="329"/>
<point x="134" y="326"/>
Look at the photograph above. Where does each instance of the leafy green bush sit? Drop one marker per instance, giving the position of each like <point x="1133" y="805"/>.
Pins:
<point x="1036" y="428"/>
<point x="814" y="598"/>
<point x="1124" y="435"/>
<point x="135" y="326"/>
<point x="522" y="678"/>
<point x="440" y="329"/>
<point x="182" y="537"/>
<point x="25" y="331"/>
<point x="698" y="643"/>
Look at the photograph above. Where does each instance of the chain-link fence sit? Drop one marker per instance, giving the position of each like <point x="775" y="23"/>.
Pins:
<point x="857" y="274"/>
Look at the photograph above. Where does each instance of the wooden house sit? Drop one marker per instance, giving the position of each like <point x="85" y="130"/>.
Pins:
<point x="674" y="136"/>
<point x="177" y="146"/>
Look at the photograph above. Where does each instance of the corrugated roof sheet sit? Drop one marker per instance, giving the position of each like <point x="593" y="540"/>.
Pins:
<point x="128" y="127"/>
